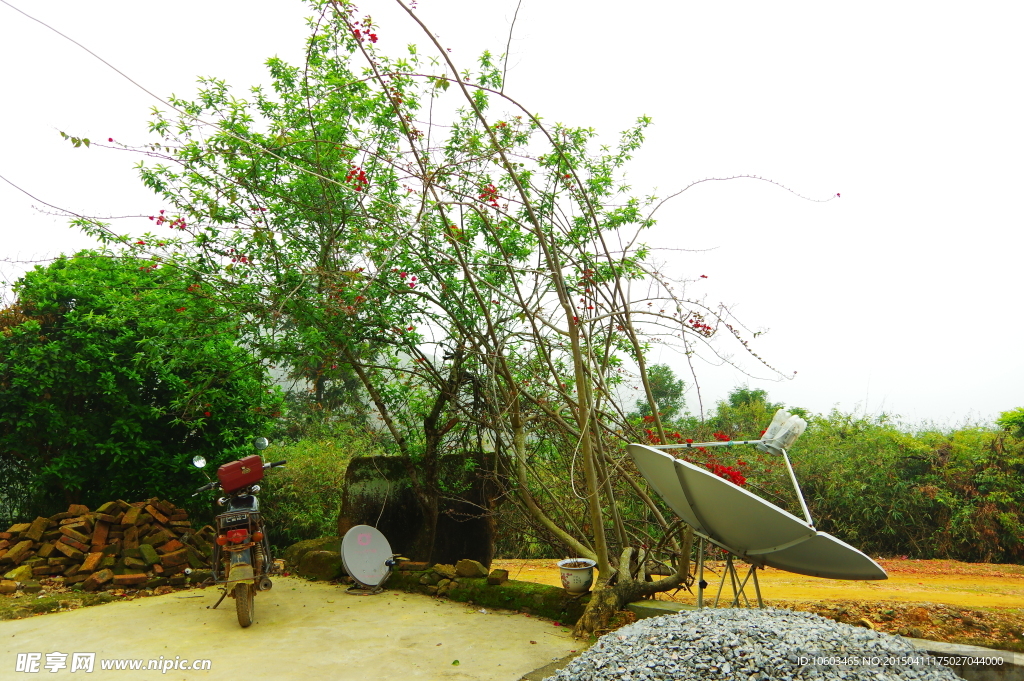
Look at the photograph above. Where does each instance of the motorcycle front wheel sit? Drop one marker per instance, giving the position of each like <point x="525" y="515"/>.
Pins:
<point x="245" y="603"/>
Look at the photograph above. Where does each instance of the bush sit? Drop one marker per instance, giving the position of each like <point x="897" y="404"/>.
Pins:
<point x="114" y="373"/>
<point x="302" y="500"/>
<point x="928" y="494"/>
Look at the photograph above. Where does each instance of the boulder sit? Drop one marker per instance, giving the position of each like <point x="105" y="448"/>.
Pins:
<point x="31" y="587"/>
<point x="470" y="568"/>
<point x="293" y="554"/>
<point x="8" y="586"/>
<point x="322" y="565"/>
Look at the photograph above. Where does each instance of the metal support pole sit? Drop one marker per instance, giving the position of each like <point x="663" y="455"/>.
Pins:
<point x="757" y="587"/>
<point x="720" y="585"/>
<point x="700" y="574"/>
<point x="796" y="486"/>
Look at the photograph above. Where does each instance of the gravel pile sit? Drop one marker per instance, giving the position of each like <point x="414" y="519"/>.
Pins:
<point x="749" y="645"/>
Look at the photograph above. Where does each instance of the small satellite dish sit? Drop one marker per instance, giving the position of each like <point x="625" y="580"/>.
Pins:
<point x="199" y="461"/>
<point x="365" y="552"/>
<point x="261" y="443"/>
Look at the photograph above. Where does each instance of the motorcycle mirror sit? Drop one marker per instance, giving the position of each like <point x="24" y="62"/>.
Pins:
<point x="261" y="443"/>
<point x="198" y="461"/>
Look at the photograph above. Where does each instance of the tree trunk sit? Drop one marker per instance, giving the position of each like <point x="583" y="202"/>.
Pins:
<point x="608" y="599"/>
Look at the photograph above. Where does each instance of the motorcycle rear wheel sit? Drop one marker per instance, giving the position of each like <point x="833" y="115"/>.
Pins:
<point x="245" y="603"/>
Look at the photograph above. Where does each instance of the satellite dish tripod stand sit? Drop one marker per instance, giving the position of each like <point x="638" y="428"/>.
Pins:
<point x="738" y="587"/>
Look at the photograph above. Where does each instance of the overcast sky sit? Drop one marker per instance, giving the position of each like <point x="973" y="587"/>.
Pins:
<point x="901" y="296"/>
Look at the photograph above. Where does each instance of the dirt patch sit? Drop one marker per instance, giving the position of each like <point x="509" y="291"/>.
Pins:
<point x="992" y="628"/>
<point x="941" y="600"/>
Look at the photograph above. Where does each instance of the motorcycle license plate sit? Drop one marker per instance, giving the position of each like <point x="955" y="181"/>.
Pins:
<point x="232" y="519"/>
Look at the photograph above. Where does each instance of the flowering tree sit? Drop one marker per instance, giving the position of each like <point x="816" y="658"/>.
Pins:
<point x="481" y="275"/>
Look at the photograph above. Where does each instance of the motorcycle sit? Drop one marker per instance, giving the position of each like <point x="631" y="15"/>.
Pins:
<point x="242" y="563"/>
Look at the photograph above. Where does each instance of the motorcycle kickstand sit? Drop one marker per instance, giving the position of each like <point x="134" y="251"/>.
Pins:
<point x="222" y="597"/>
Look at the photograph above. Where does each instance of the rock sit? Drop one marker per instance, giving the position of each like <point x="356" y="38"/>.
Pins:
<point x="156" y="582"/>
<point x="46" y="550"/>
<point x="70" y="551"/>
<point x="430" y="579"/>
<point x="74" y="543"/>
<point x="161" y="590"/>
<point x="18" y="552"/>
<point x="179" y="580"/>
<point x="77" y="510"/>
<point x="445" y="570"/>
<point x="172" y="545"/>
<point x="69" y="531"/>
<point x="99" y="534"/>
<point x="159" y="537"/>
<point x="865" y="622"/>
<point x="200" y="576"/>
<point x="322" y="565"/>
<point x="97" y="579"/>
<point x="36" y="529"/>
<point x="470" y="568"/>
<point x="148" y="554"/>
<point x="131" y="516"/>
<point x="293" y="554"/>
<point x="22" y="573"/>
<point x="8" y="586"/>
<point x="109" y="507"/>
<point x="412" y="566"/>
<point x="18" y="528"/>
<point x="131" y="537"/>
<point x="31" y="587"/>
<point x="130" y="579"/>
<point x="136" y="563"/>
<point x="157" y="515"/>
<point x="174" y="558"/>
<point x="497" y="576"/>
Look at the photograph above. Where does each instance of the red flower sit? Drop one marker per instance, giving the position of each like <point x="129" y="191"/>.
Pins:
<point x="206" y="413"/>
<point x="689" y="440"/>
<point x="111" y="139"/>
<point x="703" y="276"/>
<point x="180" y="309"/>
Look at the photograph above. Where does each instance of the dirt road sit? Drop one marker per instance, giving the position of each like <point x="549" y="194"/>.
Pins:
<point x="971" y="585"/>
<point x="303" y="630"/>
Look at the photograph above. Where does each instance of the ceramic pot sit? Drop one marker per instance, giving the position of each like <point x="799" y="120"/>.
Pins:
<point x="577" y="574"/>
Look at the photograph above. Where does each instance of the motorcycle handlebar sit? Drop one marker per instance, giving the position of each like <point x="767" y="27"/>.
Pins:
<point x="209" y="485"/>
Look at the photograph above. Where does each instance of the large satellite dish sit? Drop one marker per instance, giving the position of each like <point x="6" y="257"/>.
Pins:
<point x="660" y="471"/>
<point x="367" y="556"/>
<point x="745" y="524"/>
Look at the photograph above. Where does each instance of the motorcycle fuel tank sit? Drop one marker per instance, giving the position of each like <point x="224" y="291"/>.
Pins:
<point x="242" y="473"/>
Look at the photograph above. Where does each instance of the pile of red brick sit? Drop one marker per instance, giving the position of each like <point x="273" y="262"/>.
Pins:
<point x="145" y="544"/>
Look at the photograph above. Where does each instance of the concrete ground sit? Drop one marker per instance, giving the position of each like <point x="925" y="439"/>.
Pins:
<point x="303" y="630"/>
